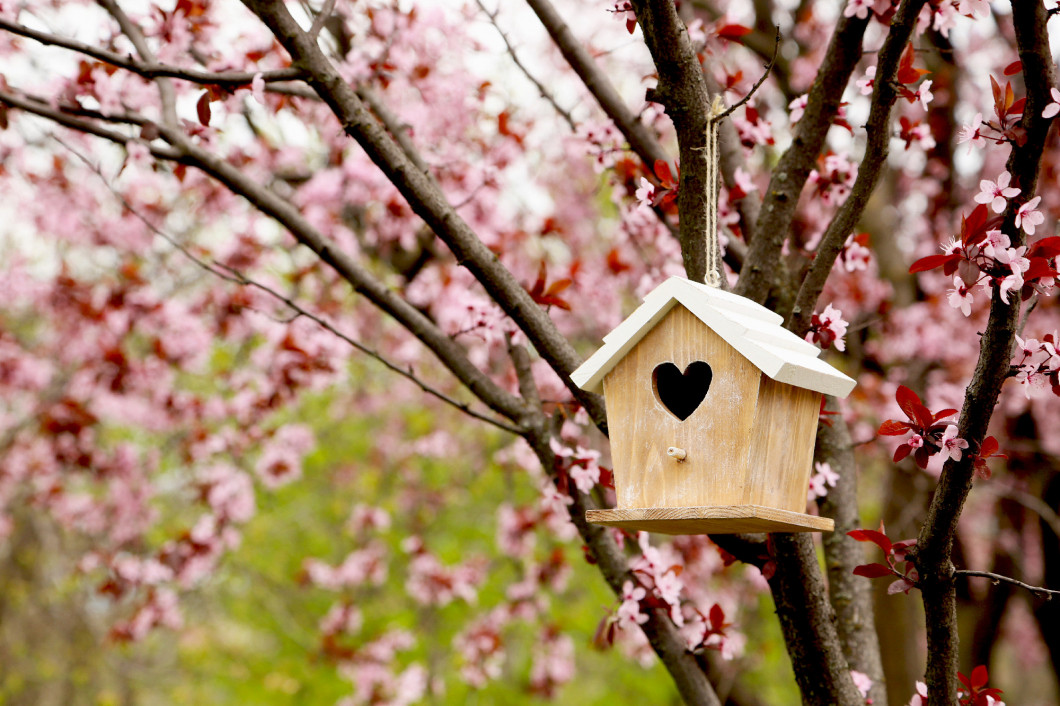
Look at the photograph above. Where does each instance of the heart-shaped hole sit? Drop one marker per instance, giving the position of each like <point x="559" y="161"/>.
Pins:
<point x="681" y="393"/>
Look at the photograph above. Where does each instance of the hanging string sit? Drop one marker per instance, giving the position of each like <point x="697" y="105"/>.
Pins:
<point x="710" y="154"/>
<point x="718" y="112"/>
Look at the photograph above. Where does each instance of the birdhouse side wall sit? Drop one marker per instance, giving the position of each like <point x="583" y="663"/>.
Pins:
<point x="714" y="437"/>
<point x="781" y="453"/>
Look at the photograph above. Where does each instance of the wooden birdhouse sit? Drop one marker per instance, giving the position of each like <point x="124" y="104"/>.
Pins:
<point x="712" y="411"/>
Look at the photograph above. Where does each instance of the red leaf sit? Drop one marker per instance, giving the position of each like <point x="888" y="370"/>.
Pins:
<point x="733" y="32"/>
<point x="901" y="452"/>
<point x="202" y="108"/>
<point x="979" y="677"/>
<point x="931" y="262"/>
<point x="1047" y="247"/>
<point x="893" y="428"/>
<point x="906" y="72"/>
<point x="1017" y="107"/>
<point x="878" y="538"/>
<point x="872" y="571"/>
<point x="988" y="447"/>
<point x="1014" y="68"/>
<point x="559" y="285"/>
<point x="943" y="414"/>
<point x="663" y="174"/>
<point x="912" y="406"/>
<point x="717" y="618"/>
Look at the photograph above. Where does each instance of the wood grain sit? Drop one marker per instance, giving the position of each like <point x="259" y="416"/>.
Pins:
<point x="781" y="450"/>
<point x="714" y="520"/>
<point x="715" y="436"/>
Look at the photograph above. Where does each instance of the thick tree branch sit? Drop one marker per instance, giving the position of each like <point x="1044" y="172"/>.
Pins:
<point x="665" y="639"/>
<point x="878" y="138"/>
<point x="935" y="543"/>
<point x="763" y="268"/>
<point x="682" y="90"/>
<point x="808" y="622"/>
<point x="426" y="200"/>
<point x="850" y="595"/>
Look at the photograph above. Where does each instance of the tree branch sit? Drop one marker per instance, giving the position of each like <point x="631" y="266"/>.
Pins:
<point x="763" y="269"/>
<point x="1048" y="593"/>
<point x="682" y="90"/>
<point x="850" y="595"/>
<point x="427" y="201"/>
<point x="545" y="93"/>
<point x="808" y="622"/>
<point x="150" y="69"/>
<point x="935" y="543"/>
<point x="641" y="138"/>
<point x="665" y="639"/>
<point x="878" y="138"/>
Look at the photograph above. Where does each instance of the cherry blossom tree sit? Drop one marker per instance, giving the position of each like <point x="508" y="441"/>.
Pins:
<point x="211" y="207"/>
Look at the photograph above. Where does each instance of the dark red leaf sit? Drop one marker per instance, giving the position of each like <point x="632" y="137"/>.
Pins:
<point x="1017" y="107"/>
<point x="901" y="452"/>
<point x="202" y="108"/>
<point x="878" y="538"/>
<point x="663" y="174"/>
<point x="872" y="571"/>
<point x="717" y="618"/>
<point x="1047" y="247"/>
<point x="1014" y="68"/>
<point x="733" y="32"/>
<point x="906" y="73"/>
<point x="931" y="262"/>
<point x="979" y="677"/>
<point x="943" y="414"/>
<point x="893" y="428"/>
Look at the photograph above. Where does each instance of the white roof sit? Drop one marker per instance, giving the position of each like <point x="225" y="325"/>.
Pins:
<point x="753" y="330"/>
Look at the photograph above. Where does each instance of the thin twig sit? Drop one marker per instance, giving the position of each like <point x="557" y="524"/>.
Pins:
<point x="321" y="18"/>
<point x="758" y="84"/>
<point x="151" y="69"/>
<point x="998" y="578"/>
<point x="526" y="72"/>
<point x="234" y="276"/>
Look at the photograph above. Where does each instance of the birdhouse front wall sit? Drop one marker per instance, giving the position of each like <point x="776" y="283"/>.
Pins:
<point x="749" y="442"/>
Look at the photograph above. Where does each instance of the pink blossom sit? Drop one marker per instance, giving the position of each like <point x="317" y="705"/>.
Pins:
<point x="924" y="94"/>
<point x="1054" y="106"/>
<point x="257" y="87"/>
<point x="629" y="615"/>
<point x="960" y="297"/>
<point x="971" y="133"/>
<point x="822" y="479"/>
<point x="797" y="107"/>
<point x="951" y="444"/>
<point x="862" y="681"/>
<point x="975" y="8"/>
<point x="858" y="8"/>
<point x="996" y="193"/>
<point x="915" y="441"/>
<point x="1027" y="217"/>
<point x="866" y="84"/>
<point x="645" y="193"/>
<point x="920" y="697"/>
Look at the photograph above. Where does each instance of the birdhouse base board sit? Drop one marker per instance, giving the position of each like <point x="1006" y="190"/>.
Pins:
<point x="728" y="519"/>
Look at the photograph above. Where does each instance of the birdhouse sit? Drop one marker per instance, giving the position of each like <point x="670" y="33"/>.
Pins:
<point x="712" y="411"/>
